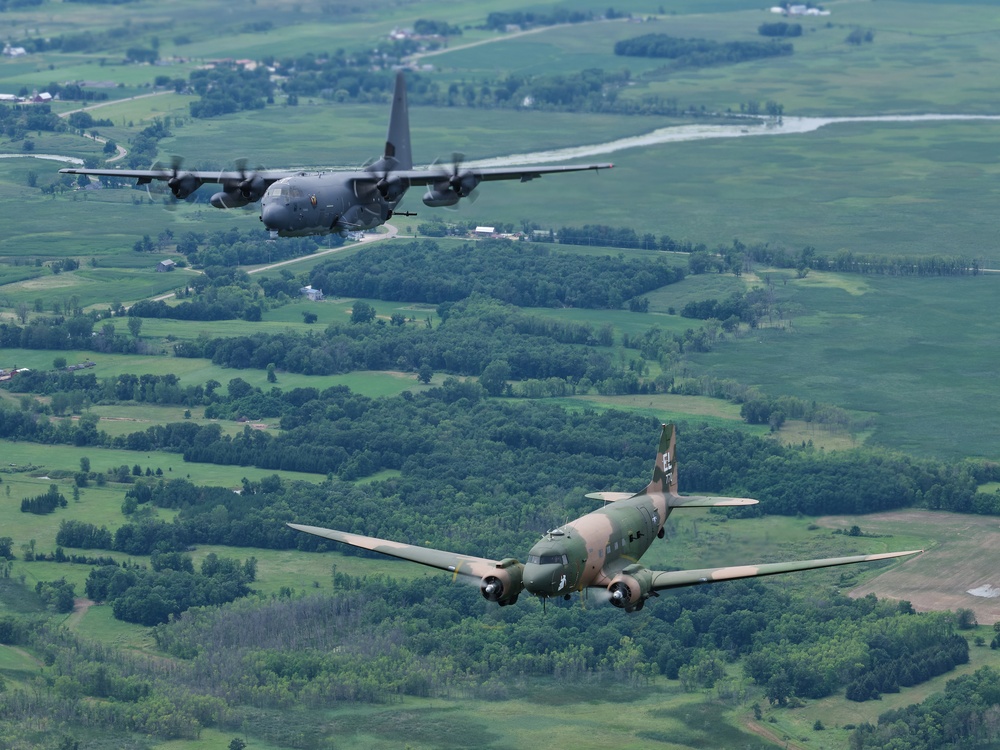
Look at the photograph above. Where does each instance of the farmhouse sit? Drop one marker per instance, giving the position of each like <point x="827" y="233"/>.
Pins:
<point x="313" y="294"/>
<point x="165" y="265"/>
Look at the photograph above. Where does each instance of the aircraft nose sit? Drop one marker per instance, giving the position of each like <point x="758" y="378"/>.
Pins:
<point x="539" y="580"/>
<point x="274" y="215"/>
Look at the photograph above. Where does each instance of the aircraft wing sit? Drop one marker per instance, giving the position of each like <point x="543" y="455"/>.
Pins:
<point x="676" y="578"/>
<point x="452" y="562"/>
<point x="431" y="175"/>
<point x="145" y="176"/>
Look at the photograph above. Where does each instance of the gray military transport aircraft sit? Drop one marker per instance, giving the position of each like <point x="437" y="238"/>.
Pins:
<point x="299" y="203"/>
<point x="598" y="551"/>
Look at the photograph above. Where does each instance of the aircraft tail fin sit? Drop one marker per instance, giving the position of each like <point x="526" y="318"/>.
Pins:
<point x="397" y="140"/>
<point x="664" y="479"/>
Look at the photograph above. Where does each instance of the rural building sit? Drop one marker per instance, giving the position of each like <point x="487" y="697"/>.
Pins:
<point x="313" y="294"/>
<point x="165" y="265"/>
<point x="485" y="231"/>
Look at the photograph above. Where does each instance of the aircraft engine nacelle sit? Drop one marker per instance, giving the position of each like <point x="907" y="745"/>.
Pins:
<point x="391" y="188"/>
<point x="630" y="588"/>
<point x="503" y="584"/>
<point x="437" y="197"/>
<point x="464" y="183"/>
<point x="226" y="199"/>
<point x="182" y="185"/>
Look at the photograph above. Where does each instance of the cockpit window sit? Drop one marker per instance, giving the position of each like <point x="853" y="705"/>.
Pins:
<point x="275" y="191"/>
<point x="548" y="559"/>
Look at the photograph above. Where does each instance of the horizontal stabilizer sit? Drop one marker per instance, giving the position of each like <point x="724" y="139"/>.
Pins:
<point x="609" y="497"/>
<point x="706" y="501"/>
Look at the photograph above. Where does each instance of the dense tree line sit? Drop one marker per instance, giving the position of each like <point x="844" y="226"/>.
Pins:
<point x="244" y="248"/>
<point x="734" y="257"/>
<point x="500" y="20"/>
<point x="601" y="235"/>
<point x="489" y="443"/>
<point x="476" y="331"/>
<point x="429" y="27"/>
<point x="780" y="28"/>
<point x="854" y="648"/>
<point x="965" y="715"/>
<point x="321" y="434"/>
<point x="85" y="388"/>
<point x="149" y="597"/>
<point x="524" y="274"/>
<point x="699" y="52"/>
<point x="894" y="665"/>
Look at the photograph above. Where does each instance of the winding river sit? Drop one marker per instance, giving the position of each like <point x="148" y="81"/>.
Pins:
<point x="697" y="132"/>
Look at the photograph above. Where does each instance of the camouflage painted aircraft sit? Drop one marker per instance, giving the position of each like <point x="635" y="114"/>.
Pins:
<point x="599" y="550"/>
<point x="295" y="203"/>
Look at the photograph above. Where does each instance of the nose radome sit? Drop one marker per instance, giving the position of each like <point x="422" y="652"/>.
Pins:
<point x="272" y="215"/>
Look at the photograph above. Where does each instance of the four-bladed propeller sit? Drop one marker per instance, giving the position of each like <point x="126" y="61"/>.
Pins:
<point x="251" y="185"/>
<point x="181" y="184"/>
<point x="461" y="182"/>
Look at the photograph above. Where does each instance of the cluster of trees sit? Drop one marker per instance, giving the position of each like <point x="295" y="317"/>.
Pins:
<point x="894" y="665"/>
<point x="147" y="388"/>
<point x="220" y="293"/>
<point x="699" y="52"/>
<point x="605" y="236"/>
<point x="76" y="332"/>
<point x="524" y="274"/>
<point x="57" y="595"/>
<point x="501" y="21"/>
<point x="966" y="714"/>
<point x="243" y="248"/>
<point x="867" y="653"/>
<point x="780" y="28"/>
<point x="225" y="89"/>
<point x="143" y="149"/>
<point x="739" y="307"/>
<point x="16" y="120"/>
<point x="428" y="27"/>
<point x="150" y="597"/>
<point x="45" y="503"/>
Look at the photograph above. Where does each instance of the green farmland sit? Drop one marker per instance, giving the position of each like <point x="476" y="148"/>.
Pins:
<point x="908" y="361"/>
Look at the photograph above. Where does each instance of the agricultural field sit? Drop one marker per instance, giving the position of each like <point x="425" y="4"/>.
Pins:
<point x="910" y="359"/>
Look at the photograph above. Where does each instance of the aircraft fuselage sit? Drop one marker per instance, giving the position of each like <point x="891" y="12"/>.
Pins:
<point x="323" y="202"/>
<point x="594" y="548"/>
